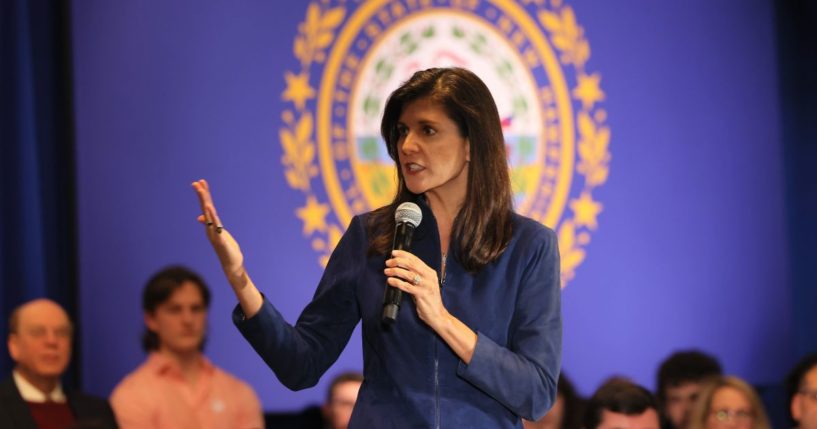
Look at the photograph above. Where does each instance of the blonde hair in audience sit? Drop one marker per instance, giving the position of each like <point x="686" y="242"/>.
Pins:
<point x="703" y="406"/>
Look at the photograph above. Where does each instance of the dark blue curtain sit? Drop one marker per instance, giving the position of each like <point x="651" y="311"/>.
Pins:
<point x="37" y="195"/>
<point x="797" y="42"/>
<point x="797" y="57"/>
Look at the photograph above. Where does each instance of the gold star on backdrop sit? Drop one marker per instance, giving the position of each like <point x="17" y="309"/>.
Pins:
<point x="313" y="214"/>
<point x="586" y="210"/>
<point x="588" y="90"/>
<point x="298" y="89"/>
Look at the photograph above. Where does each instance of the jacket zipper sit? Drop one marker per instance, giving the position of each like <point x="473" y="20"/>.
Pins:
<point x="436" y="387"/>
<point x="436" y="356"/>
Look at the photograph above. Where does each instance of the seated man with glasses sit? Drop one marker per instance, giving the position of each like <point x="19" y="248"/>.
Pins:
<point x="39" y="342"/>
<point x="801" y="386"/>
<point x="621" y="404"/>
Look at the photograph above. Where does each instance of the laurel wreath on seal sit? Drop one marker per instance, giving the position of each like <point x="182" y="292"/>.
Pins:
<point x="316" y="33"/>
<point x="594" y="136"/>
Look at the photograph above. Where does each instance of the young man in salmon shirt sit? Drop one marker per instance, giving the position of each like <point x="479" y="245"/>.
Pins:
<point x="177" y="386"/>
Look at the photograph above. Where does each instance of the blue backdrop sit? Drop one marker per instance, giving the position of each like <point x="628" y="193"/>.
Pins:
<point x="691" y="248"/>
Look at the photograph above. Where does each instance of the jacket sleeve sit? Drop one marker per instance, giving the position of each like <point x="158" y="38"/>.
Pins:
<point x="300" y="354"/>
<point x="523" y="375"/>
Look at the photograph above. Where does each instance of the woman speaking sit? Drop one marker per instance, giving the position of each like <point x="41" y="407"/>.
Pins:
<point x="477" y="340"/>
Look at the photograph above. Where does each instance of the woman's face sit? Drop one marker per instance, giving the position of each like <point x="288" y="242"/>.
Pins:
<point x="433" y="154"/>
<point x="730" y="409"/>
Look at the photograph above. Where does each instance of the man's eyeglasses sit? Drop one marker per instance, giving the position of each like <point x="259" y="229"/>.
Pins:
<point x="731" y="415"/>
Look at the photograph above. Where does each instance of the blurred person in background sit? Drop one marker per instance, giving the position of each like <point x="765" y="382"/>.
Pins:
<point x="679" y="380"/>
<point x="178" y="387"/>
<point x="621" y="404"/>
<point x="727" y="402"/>
<point x="39" y="342"/>
<point x="340" y="400"/>
<point x="566" y="412"/>
<point x="801" y="386"/>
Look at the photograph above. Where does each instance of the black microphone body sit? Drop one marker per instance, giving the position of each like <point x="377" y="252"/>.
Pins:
<point x="403" y="233"/>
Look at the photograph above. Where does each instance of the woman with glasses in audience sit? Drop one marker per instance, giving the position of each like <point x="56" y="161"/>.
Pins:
<point x="728" y="402"/>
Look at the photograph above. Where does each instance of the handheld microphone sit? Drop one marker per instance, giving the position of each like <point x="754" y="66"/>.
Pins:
<point x="407" y="217"/>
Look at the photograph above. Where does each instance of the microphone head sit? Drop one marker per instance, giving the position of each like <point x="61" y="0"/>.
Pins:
<point x="408" y="213"/>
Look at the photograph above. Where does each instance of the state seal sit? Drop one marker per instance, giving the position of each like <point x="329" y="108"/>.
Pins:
<point x="532" y="56"/>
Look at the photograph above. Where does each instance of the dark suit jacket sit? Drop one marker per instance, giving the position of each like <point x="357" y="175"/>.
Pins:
<point x="90" y="411"/>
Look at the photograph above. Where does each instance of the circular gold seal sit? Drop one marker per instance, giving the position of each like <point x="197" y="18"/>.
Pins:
<point x="532" y="56"/>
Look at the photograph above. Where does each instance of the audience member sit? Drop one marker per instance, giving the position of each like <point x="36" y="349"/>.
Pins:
<point x="728" y="402"/>
<point x="679" y="380"/>
<point x="621" y="404"/>
<point x="566" y="412"/>
<point x="39" y="342"/>
<point x="340" y="400"/>
<point x="801" y="387"/>
<point x="178" y="387"/>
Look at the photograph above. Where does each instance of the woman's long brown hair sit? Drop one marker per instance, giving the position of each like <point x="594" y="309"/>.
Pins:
<point x="482" y="229"/>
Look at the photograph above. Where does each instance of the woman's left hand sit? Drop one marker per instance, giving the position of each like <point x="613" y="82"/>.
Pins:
<point x="411" y="275"/>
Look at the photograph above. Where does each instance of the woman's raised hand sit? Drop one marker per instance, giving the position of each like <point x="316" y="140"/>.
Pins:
<point x="227" y="249"/>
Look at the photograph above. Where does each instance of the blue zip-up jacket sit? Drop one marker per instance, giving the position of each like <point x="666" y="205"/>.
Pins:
<point x="412" y="378"/>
